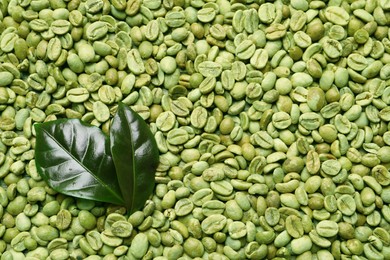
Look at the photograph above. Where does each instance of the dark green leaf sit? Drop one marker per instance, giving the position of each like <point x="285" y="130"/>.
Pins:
<point x="135" y="156"/>
<point x="75" y="159"/>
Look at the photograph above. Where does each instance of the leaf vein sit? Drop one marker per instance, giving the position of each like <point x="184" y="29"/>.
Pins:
<point x="86" y="148"/>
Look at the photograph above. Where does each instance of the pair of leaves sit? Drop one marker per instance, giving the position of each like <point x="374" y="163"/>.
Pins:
<point x="79" y="160"/>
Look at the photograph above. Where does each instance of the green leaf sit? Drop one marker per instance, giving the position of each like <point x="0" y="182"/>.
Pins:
<point x="75" y="159"/>
<point x="79" y="160"/>
<point x="135" y="156"/>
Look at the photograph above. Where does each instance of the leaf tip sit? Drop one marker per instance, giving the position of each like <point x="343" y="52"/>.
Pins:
<point x="122" y="106"/>
<point x="37" y="126"/>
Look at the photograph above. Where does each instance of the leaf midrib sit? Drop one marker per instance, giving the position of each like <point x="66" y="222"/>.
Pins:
<point x="133" y="160"/>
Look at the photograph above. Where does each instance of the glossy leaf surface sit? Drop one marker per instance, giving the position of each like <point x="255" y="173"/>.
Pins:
<point x="135" y="156"/>
<point x="75" y="159"/>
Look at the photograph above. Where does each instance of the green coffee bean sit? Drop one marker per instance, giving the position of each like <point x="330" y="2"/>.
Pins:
<point x="233" y="210"/>
<point x="310" y="120"/>
<point x="337" y="15"/>
<point x="77" y="95"/>
<point x="175" y="19"/>
<point x="346" y="204"/>
<point x="47" y="233"/>
<point x="201" y="196"/>
<point x="8" y="41"/>
<point x="300" y="245"/>
<point x="281" y="120"/>
<point x="213" y="223"/>
<point x="59" y="254"/>
<point x="245" y="50"/>
<point x="177" y="136"/>
<point x="6" y="78"/>
<point x="237" y="230"/>
<point x="223" y="187"/>
<point x="193" y="247"/>
<point x="110" y="240"/>
<point x="183" y="207"/>
<point x="209" y="68"/>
